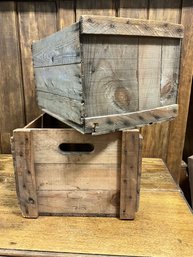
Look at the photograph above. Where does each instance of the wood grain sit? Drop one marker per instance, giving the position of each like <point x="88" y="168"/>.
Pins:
<point x="104" y="124"/>
<point x="129" y="174"/>
<point x="109" y="70"/>
<point x="11" y="88"/>
<point x="155" y="222"/>
<point x="23" y="155"/>
<point x="36" y="20"/>
<point x="106" y="147"/>
<point x="64" y="80"/>
<point x="62" y="47"/>
<point x="149" y="73"/>
<point x="170" y="12"/>
<point x="56" y="104"/>
<point x="132" y="27"/>
<point x="190" y="170"/>
<point x="178" y="127"/>
<point x="91" y="7"/>
<point x="66" y="13"/>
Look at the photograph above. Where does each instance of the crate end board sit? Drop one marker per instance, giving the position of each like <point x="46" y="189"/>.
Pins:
<point x="83" y="75"/>
<point x="76" y="182"/>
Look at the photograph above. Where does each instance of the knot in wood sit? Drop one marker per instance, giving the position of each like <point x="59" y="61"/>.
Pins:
<point x="122" y="97"/>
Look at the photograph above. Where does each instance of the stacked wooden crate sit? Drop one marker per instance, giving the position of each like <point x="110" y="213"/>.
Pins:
<point x="100" y="75"/>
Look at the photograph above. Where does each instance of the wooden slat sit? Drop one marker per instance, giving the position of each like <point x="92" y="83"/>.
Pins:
<point x="106" y="147"/>
<point x="36" y="20"/>
<point x="133" y="9"/>
<point x="121" y="26"/>
<point x="91" y="7"/>
<point x="190" y="169"/>
<point x="139" y="170"/>
<point x="56" y="104"/>
<point x="22" y="150"/>
<point x="77" y="176"/>
<point x="149" y="73"/>
<point x="109" y="68"/>
<point x="62" y="80"/>
<point x="170" y="62"/>
<point x="168" y="11"/>
<point x="104" y="124"/>
<point x="62" y="47"/>
<point x="11" y="88"/>
<point x="79" y="202"/>
<point x="129" y="174"/>
<point x="178" y="127"/>
<point x="66" y="13"/>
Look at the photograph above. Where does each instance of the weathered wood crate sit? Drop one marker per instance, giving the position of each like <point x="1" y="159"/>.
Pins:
<point x="59" y="171"/>
<point x="103" y="74"/>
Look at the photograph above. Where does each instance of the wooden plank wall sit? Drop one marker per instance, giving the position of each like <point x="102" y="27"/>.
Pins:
<point x="22" y="22"/>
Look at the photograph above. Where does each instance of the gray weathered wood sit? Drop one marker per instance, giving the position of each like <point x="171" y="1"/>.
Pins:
<point x="109" y="68"/>
<point x="124" y="26"/>
<point x="62" y="106"/>
<point x="170" y="71"/>
<point x="62" y="47"/>
<point x="64" y="80"/>
<point x="149" y="72"/>
<point x="104" y="124"/>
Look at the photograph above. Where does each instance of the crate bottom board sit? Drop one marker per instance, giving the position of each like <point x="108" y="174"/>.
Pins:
<point x="110" y="123"/>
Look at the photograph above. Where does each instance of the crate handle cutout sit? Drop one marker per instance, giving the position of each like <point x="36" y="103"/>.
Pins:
<point x="77" y="148"/>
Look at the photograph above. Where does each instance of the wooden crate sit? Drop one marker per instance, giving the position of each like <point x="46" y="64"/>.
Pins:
<point x="103" y="74"/>
<point x="60" y="171"/>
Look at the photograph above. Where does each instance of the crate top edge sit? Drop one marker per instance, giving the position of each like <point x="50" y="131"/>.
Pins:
<point x="107" y="25"/>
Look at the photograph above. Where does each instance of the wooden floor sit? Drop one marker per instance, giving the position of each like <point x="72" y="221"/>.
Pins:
<point x="163" y="226"/>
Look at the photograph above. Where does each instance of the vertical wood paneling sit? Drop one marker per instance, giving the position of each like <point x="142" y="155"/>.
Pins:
<point x="137" y="9"/>
<point x="94" y="7"/>
<point x="66" y="13"/>
<point x="156" y="136"/>
<point x="178" y="126"/>
<point x="36" y="20"/>
<point x="11" y="91"/>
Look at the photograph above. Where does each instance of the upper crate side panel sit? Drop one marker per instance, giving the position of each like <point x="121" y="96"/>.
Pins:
<point x="124" y="74"/>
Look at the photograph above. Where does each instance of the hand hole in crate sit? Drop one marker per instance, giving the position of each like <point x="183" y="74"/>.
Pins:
<point x="76" y="148"/>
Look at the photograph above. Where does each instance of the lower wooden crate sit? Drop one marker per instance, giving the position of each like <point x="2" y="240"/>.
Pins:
<point x="60" y="171"/>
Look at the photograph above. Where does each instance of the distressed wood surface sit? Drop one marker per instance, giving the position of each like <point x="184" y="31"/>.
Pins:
<point x="66" y="14"/>
<point x="35" y="20"/>
<point x="103" y="124"/>
<point x="190" y="171"/>
<point x="154" y="222"/>
<point x="11" y="87"/>
<point x="62" y="47"/>
<point x="177" y="129"/>
<point x="64" y="80"/>
<point x="23" y="154"/>
<point x="109" y="70"/>
<point x="91" y="24"/>
<point x="56" y="104"/>
<point x="106" y="147"/>
<point x="149" y="73"/>
<point x="91" y="7"/>
<point x="170" y="12"/>
<point x="129" y="174"/>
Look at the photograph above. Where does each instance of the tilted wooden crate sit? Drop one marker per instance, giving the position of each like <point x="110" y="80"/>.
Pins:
<point x="103" y="74"/>
<point x="59" y="171"/>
